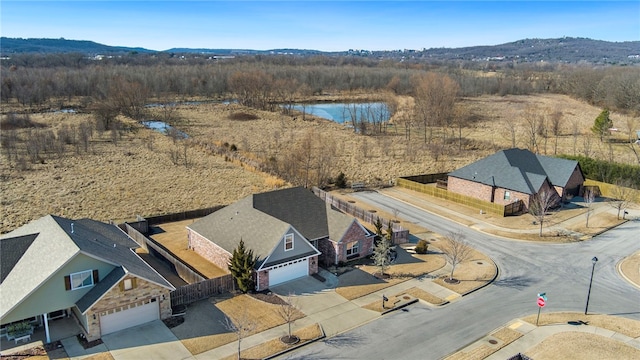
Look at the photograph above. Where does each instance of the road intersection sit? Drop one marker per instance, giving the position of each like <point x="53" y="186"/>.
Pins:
<point x="562" y="271"/>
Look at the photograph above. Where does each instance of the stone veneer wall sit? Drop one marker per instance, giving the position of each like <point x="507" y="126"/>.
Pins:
<point x="313" y="265"/>
<point x="116" y="300"/>
<point x="208" y="250"/>
<point x="328" y="249"/>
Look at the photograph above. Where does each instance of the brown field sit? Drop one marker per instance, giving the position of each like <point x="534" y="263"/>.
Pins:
<point x="119" y="181"/>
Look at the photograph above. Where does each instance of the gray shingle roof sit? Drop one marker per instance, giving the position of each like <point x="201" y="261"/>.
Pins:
<point x="11" y="250"/>
<point x="100" y="289"/>
<point x="519" y="170"/>
<point x="261" y="220"/>
<point x="54" y="243"/>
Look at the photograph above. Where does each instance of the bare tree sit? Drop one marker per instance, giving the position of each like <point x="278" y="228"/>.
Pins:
<point x="242" y="326"/>
<point x="622" y="196"/>
<point x="289" y="313"/>
<point x="556" y="121"/>
<point x="540" y="204"/>
<point x="533" y="124"/>
<point x="455" y="251"/>
<point x="435" y="96"/>
<point x="589" y="198"/>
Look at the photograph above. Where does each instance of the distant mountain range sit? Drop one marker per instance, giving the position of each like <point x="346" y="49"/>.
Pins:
<point x="567" y="49"/>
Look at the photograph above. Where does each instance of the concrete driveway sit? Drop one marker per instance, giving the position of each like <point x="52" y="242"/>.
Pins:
<point x="148" y="341"/>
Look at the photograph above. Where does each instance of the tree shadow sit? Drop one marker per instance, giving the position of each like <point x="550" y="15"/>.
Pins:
<point x="345" y="340"/>
<point x="517" y="282"/>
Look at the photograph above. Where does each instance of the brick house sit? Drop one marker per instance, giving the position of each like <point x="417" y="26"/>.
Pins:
<point x="81" y="269"/>
<point x="289" y="230"/>
<point x="516" y="174"/>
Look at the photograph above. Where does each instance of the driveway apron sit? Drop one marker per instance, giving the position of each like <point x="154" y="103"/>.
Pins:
<point x="148" y="341"/>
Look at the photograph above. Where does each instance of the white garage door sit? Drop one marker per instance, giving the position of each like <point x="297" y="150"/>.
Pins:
<point x="289" y="271"/>
<point x="128" y="318"/>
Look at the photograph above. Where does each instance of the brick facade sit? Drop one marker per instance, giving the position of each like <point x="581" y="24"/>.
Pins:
<point x="117" y="299"/>
<point x="328" y="248"/>
<point x="208" y="250"/>
<point x="469" y="188"/>
<point x="574" y="185"/>
<point x="313" y="265"/>
<point x="354" y="233"/>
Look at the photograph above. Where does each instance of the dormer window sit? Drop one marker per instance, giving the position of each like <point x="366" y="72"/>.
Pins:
<point x="288" y="242"/>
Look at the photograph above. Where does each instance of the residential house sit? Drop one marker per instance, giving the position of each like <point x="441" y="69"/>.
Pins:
<point x="289" y="230"/>
<point x="83" y="269"/>
<point x="516" y="174"/>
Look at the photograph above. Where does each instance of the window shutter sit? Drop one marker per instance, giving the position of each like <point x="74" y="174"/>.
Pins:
<point x="67" y="282"/>
<point x="95" y="276"/>
<point x="133" y="283"/>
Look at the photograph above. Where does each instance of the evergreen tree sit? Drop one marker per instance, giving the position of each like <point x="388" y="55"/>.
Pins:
<point x="602" y="124"/>
<point x="241" y="267"/>
<point x="390" y="233"/>
<point x="381" y="255"/>
<point x="378" y="226"/>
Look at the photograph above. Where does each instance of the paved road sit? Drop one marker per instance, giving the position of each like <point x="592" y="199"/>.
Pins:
<point x="526" y="268"/>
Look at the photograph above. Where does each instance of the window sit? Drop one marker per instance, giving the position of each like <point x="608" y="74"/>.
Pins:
<point x="288" y="242"/>
<point x="507" y="195"/>
<point x="352" y="248"/>
<point x="81" y="280"/>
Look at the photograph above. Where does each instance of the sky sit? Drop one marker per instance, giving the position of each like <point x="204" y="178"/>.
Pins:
<point x="317" y="25"/>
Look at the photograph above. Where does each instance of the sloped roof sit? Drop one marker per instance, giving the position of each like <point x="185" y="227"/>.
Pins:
<point x="54" y="242"/>
<point x="261" y="220"/>
<point x="100" y="289"/>
<point x="519" y="170"/>
<point x="11" y="251"/>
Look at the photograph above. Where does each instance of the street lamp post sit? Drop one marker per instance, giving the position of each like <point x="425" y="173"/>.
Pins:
<point x="594" y="261"/>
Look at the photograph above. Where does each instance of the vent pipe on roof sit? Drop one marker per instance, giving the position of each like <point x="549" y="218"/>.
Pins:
<point x="72" y="228"/>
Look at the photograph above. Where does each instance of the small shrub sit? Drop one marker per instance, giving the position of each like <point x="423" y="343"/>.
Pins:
<point x="233" y="147"/>
<point x="341" y="180"/>
<point x="242" y="116"/>
<point x="422" y="247"/>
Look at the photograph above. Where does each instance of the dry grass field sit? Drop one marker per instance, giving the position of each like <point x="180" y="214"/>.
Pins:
<point x="118" y="181"/>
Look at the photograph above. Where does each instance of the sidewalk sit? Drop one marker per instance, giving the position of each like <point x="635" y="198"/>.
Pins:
<point x="334" y="313"/>
<point x="534" y="335"/>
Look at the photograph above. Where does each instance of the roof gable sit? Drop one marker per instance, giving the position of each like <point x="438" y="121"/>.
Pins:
<point x="57" y="241"/>
<point x="11" y="250"/>
<point x="518" y="170"/>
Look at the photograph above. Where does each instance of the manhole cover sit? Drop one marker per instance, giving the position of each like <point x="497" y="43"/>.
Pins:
<point x="492" y="342"/>
<point x="351" y="201"/>
<point x="406" y="297"/>
<point x="479" y="263"/>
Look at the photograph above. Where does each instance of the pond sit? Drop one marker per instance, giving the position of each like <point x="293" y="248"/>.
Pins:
<point x="164" y="128"/>
<point x="347" y="112"/>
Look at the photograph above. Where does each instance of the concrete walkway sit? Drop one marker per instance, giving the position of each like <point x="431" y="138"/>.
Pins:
<point x="324" y="306"/>
<point x="534" y="335"/>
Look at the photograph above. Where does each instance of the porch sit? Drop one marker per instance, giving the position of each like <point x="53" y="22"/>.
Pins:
<point x="61" y="328"/>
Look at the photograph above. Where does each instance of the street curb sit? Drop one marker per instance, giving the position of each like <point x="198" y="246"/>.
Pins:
<point x="623" y="275"/>
<point x="412" y="301"/>
<point x="488" y="283"/>
<point x="322" y="336"/>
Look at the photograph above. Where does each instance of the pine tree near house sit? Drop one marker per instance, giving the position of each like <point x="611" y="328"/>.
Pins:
<point x="241" y="267"/>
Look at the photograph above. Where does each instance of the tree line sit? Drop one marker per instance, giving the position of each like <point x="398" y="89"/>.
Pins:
<point x="260" y="81"/>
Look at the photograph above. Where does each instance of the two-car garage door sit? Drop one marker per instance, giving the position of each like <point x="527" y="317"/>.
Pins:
<point x="288" y="271"/>
<point x="127" y="318"/>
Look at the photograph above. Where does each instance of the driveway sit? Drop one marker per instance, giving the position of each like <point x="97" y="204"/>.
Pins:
<point x="148" y="341"/>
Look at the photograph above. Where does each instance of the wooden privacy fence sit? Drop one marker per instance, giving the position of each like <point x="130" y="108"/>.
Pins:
<point x="609" y="190"/>
<point x="190" y="293"/>
<point x="400" y="234"/>
<point x="185" y="215"/>
<point x="184" y="270"/>
<point x="485" y="206"/>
